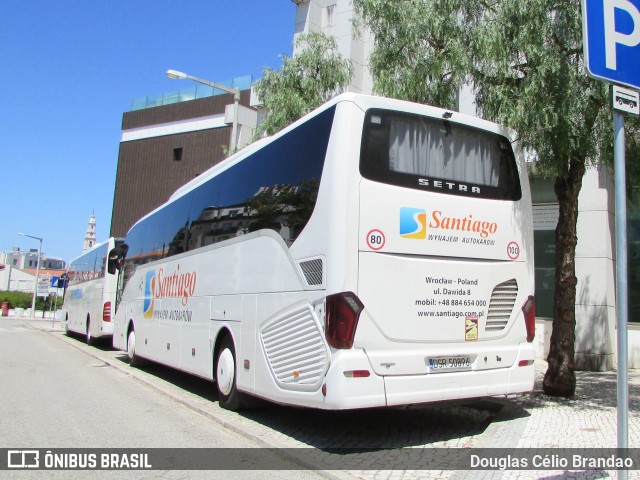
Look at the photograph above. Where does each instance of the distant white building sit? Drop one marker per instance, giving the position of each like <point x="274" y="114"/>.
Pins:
<point x="18" y="269"/>
<point x="26" y="259"/>
<point x="16" y="280"/>
<point x="90" y="236"/>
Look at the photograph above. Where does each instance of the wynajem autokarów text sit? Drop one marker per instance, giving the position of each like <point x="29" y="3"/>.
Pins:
<point x="159" y="284"/>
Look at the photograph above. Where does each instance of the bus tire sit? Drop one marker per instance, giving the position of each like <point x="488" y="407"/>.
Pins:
<point x="90" y="339"/>
<point x="225" y="376"/>
<point x="134" y="360"/>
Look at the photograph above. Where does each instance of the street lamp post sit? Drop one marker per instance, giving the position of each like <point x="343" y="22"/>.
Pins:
<point x="35" y="286"/>
<point x="174" y="74"/>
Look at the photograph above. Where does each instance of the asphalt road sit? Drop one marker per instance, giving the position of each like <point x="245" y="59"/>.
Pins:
<point x="54" y="394"/>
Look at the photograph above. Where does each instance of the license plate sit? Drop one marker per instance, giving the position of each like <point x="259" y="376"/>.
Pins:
<point x="449" y="364"/>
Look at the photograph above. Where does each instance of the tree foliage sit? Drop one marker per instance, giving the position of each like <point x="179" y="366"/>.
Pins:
<point x="304" y="81"/>
<point x="524" y="60"/>
<point x="18" y="299"/>
<point x="420" y="54"/>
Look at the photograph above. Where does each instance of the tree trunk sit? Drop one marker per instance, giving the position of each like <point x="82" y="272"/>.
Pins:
<point x="560" y="379"/>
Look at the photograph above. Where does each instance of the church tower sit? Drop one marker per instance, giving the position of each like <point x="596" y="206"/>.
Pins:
<point x="90" y="236"/>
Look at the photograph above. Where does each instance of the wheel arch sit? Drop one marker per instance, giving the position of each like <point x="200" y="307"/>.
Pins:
<point x="224" y="332"/>
<point x="130" y="326"/>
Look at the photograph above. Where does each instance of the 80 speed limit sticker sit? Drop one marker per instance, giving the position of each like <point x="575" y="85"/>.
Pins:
<point x="375" y="239"/>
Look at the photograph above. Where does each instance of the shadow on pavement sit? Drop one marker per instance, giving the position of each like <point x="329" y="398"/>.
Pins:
<point x="594" y="390"/>
<point x="438" y="425"/>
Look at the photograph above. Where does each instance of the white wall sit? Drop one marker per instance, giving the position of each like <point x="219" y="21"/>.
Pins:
<point x="16" y="280"/>
<point x="595" y="270"/>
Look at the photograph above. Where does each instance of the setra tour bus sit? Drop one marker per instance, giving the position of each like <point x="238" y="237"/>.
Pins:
<point x="374" y="253"/>
<point x="90" y="296"/>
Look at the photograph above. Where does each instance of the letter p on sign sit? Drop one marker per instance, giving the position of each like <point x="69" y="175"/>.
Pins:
<point x="613" y="36"/>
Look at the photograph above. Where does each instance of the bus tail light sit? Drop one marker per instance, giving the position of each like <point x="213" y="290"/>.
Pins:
<point x="529" y="311"/>
<point x="357" y="373"/>
<point x="106" y="312"/>
<point x="343" y="310"/>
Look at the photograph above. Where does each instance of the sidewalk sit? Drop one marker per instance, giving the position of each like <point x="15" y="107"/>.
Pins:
<point x="589" y="420"/>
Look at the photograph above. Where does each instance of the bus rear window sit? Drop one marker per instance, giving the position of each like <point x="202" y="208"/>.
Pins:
<point x="436" y="154"/>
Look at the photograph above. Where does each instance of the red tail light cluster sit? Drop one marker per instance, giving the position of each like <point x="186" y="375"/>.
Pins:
<point x="106" y="312"/>
<point x="342" y="313"/>
<point x="529" y="311"/>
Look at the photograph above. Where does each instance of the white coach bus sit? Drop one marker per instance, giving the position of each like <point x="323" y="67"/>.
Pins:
<point x="90" y="297"/>
<point x="374" y="253"/>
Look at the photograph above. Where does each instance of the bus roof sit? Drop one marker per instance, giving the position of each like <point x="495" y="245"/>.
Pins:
<point x="95" y="247"/>
<point x="364" y="102"/>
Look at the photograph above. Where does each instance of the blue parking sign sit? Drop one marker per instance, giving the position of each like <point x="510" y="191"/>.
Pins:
<point x="611" y="31"/>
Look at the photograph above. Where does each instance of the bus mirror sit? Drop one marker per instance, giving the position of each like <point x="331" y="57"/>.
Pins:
<point x="113" y="264"/>
<point x="116" y="256"/>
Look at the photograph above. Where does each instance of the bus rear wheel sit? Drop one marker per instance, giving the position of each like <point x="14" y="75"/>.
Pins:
<point x="90" y="339"/>
<point x="134" y="361"/>
<point x="225" y="376"/>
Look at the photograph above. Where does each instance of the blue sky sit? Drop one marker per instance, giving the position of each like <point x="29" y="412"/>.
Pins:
<point x="70" y="69"/>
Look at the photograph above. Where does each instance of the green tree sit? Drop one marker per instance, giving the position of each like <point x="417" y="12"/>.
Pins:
<point x="304" y="81"/>
<point x="524" y="59"/>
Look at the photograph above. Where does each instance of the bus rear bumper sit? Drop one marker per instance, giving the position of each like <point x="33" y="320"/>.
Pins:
<point x="345" y="389"/>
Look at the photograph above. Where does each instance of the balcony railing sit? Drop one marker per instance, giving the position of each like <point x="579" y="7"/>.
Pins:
<point x="192" y="93"/>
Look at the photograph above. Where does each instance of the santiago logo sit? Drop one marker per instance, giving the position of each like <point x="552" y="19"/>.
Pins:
<point x="149" y="287"/>
<point x="157" y="285"/>
<point x="413" y="223"/>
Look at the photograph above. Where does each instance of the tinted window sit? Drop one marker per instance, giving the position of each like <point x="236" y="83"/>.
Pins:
<point x="275" y="188"/>
<point x="438" y="155"/>
<point x="89" y="266"/>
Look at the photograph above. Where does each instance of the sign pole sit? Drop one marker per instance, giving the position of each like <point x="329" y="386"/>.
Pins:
<point x="611" y="40"/>
<point x="621" y="282"/>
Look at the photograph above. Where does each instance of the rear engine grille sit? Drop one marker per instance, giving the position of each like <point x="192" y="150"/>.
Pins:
<point x="501" y="305"/>
<point x="296" y="350"/>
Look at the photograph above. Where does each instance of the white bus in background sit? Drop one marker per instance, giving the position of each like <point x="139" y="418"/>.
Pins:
<point x="90" y="296"/>
<point x="374" y="253"/>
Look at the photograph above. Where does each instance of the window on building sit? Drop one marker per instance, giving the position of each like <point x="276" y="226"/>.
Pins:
<point x="544" y="244"/>
<point x="545" y="219"/>
<point x="328" y="16"/>
<point x="177" y="154"/>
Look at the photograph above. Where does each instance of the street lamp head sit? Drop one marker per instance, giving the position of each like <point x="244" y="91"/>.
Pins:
<point x="30" y="236"/>
<point x="175" y="74"/>
<point x="234" y="91"/>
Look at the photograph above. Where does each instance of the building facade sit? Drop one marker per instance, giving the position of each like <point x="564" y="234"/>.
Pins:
<point x="26" y="259"/>
<point x="165" y="146"/>
<point x="90" y="235"/>
<point x="18" y="269"/>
